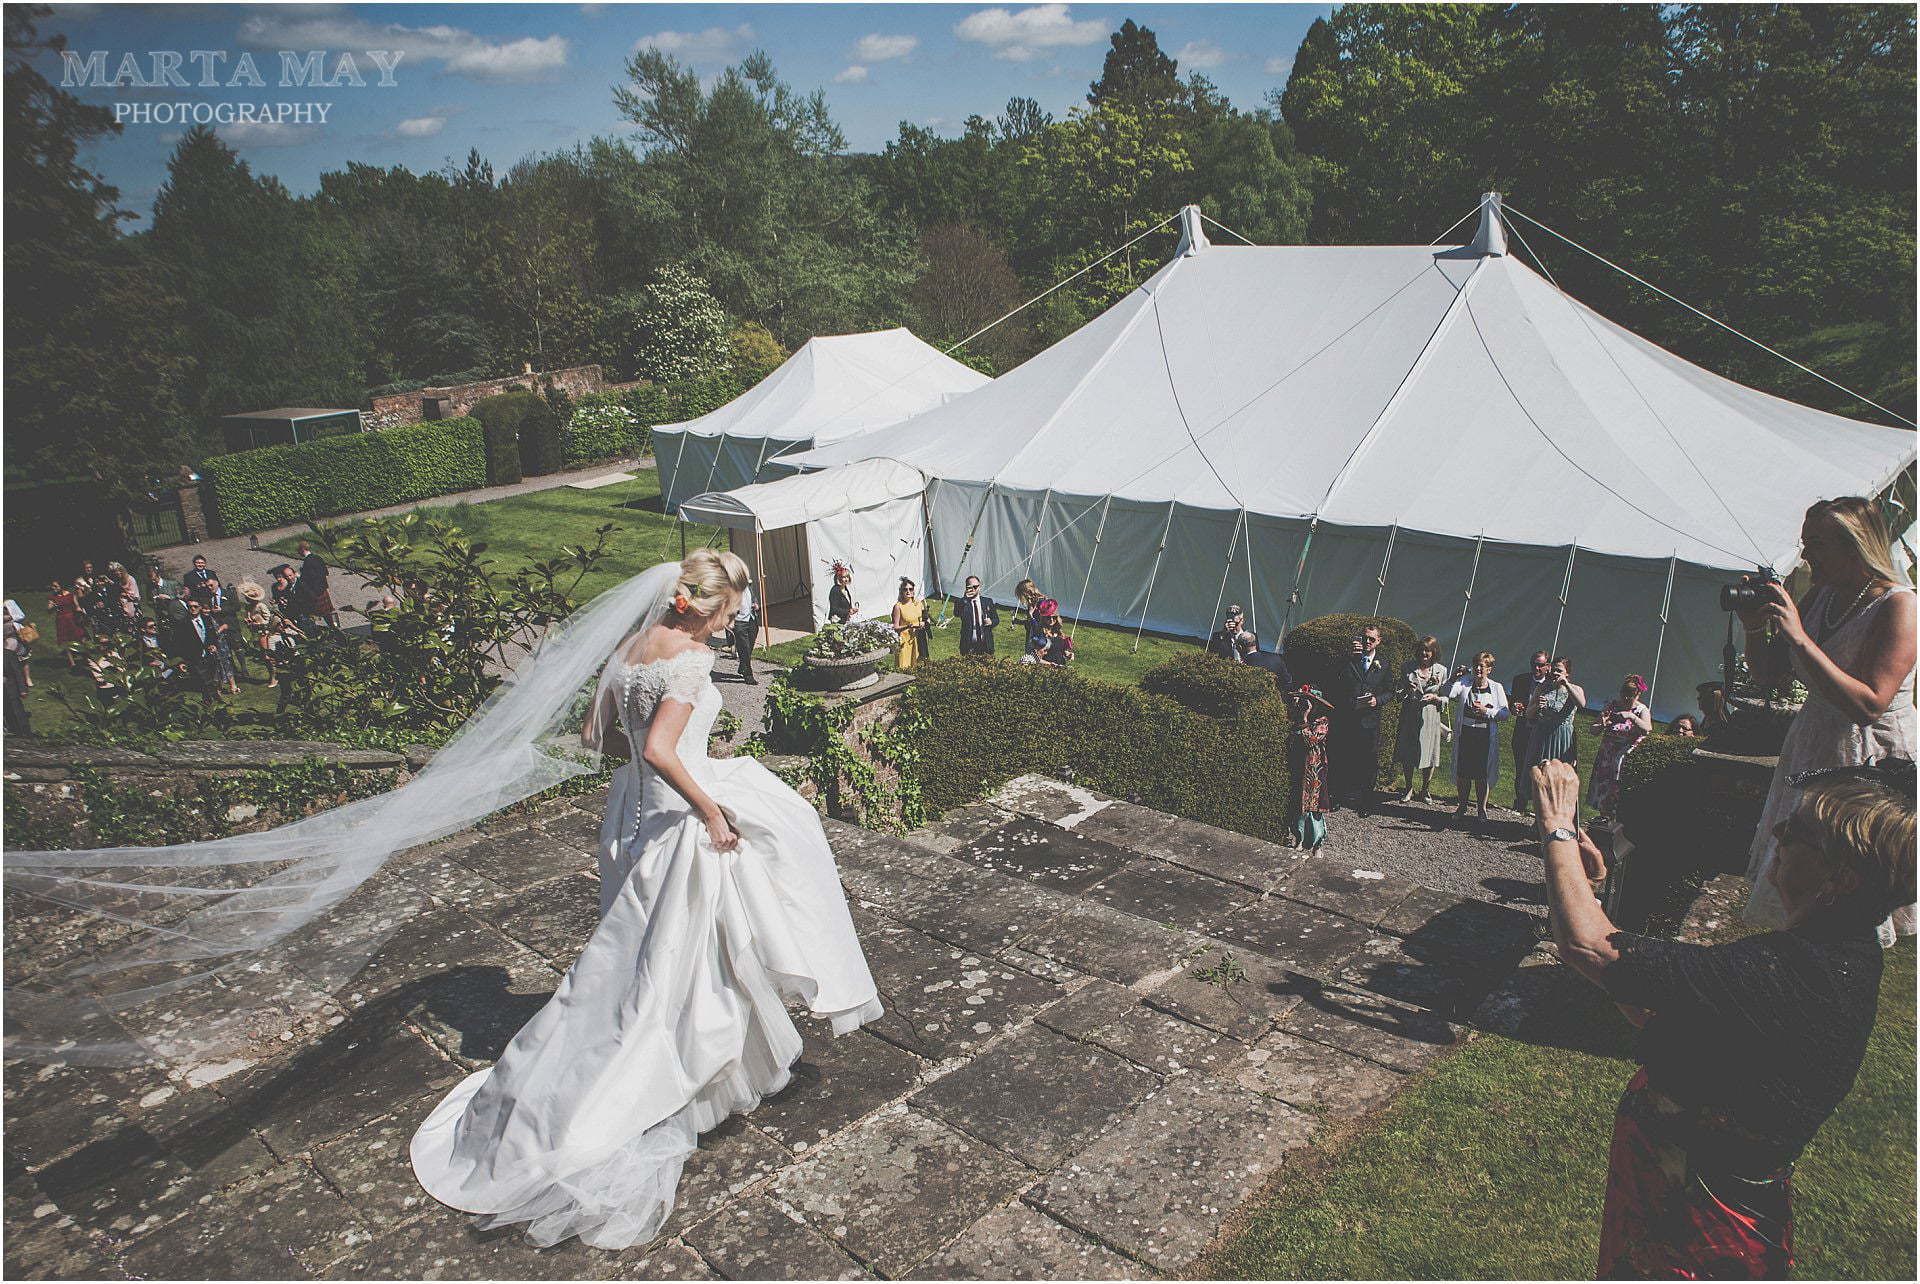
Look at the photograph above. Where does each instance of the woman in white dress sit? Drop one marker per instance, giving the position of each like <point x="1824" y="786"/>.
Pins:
<point x="719" y="900"/>
<point x="1851" y="641"/>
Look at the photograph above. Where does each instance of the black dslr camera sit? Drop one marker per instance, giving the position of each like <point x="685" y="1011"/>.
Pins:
<point x="1734" y="597"/>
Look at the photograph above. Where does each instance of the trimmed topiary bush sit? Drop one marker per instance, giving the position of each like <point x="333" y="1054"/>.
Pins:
<point x="503" y="453"/>
<point x="989" y="722"/>
<point x="1208" y="684"/>
<point x="1316" y="650"/>
<point x="531" y="419"/>
<point x="285" y="485"/>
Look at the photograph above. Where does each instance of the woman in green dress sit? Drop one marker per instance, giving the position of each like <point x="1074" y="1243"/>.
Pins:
<point x="1550" y="717"/>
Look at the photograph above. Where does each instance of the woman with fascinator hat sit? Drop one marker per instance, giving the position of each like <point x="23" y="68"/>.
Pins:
<point x="719" y="903"/>
<point x="1622" y="725"/>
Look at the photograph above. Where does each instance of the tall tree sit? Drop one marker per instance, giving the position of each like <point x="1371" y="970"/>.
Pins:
<point x="93" y="370"/>
<point x="1136" y="73"/>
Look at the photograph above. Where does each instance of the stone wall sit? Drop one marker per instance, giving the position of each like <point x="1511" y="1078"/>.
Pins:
<point x="48" y="782"/>
<point x="411" y="407"/>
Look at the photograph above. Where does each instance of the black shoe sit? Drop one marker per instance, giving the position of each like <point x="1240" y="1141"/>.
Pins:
<point x="751" y="681"/>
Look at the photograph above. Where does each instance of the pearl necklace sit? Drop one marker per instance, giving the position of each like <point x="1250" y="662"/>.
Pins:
<point x="1827" y="620"/>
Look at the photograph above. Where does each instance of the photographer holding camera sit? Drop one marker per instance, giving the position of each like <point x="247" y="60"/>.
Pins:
<point x="1851" y="641"/>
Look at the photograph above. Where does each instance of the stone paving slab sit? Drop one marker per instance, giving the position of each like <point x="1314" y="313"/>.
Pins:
<point x="1105" y="1029"/>
<point x="1022" y="1243"/>
<point x="1158" y="1186"/>
<point x="894" y="1189"/>
<point x="1036" y="1095"/>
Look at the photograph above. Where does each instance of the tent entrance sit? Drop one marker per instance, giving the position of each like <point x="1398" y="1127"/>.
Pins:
<point x="778" y="559"/>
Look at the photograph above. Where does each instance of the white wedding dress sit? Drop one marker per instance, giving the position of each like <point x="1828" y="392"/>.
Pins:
<point x="673" y="1016"/>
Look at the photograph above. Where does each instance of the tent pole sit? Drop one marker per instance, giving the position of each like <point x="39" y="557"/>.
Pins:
<point x="681" y="524"/>
<point x="1299" y="569"/>
<point x="1660" y="643"/>
<point x="1385" y="562"/>
<point x="760" y="567"/>
<point x="1473" y="577"/>
<point x="1233" y="546"/>
<point x="1038" y="523"/>
<point x="966" y="550"/>
<point x="1153" y="575"/>
<point x="678" y="455"/>
<point x="1098" y="531"/>
<point x="1566" y="591"/>
<point x="761" y="462"/>
<point x="719" y="444"/>
<point x="933" y="552"/>
<point x="1253" y="604"/>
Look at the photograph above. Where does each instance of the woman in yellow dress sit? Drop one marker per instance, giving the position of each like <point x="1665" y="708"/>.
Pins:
<point x="909" y="619"/>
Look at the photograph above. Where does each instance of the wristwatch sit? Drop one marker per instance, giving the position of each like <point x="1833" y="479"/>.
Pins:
<point x="1563" y="835"/>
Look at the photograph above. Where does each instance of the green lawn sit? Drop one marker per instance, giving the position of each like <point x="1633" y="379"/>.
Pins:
<point x="1492" y="1165"/>
<point x="526" y="527"/>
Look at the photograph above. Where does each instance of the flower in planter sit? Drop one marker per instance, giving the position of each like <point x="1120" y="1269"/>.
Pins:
<point x="843" y="641"/>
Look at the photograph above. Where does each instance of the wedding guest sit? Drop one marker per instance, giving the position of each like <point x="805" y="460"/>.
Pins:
<point x="910" y="622"/>
<point x="1353" y="754"/>
<point x="20" y="639"/>
<point x="198" y="646"/>
<point x="1423" y="686"/>
<point x="224" y="676"/>
<point x="17" y="721"/>
<point x="195" y="579"/>
<point x="1520" y="696"/>
<point x="1711" y="697"/>
<point x="156" y="654"/>
<point x="746" y="623"/>
<point x="1479" y="704"/>
<point x="1686" y="725"/>
<point x="1055" y="648"/>
<point x="1311" y="721"/>
<point x="282" y="589"/>
<point x="1550" y="716"/>
<point x="1247" y="649"/>
<point x="1623" y="724"/>
<point x="311" y="596"/>
<point x="159" y="586"/>
<point x="840" y="603"/>
<point x="1224" y="640"/>
<point x="1746" y="1048"/>
<point x="1028" y="594"/>
<point x="129" y="602"/>
<point x="69" y="626"/>
<point x="288" y="664"/>
<point x="978" y="619"/>
<point x="1851" y="641"/>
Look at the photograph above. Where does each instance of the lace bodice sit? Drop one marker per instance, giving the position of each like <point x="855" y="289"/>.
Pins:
<point x="686" y="677"/>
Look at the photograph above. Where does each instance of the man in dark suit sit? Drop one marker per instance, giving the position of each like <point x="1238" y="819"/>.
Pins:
<point x="194" y="582"/>
<point x="1360" y="687"/>
<point x="1273" y="662"/>
<point x="978" y="619"/>
<point x="197" y="643"/>
<point x="1519" y="692"/>
<point x="1223" y="640"/>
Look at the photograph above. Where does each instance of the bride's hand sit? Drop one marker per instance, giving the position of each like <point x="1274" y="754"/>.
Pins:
<point x="720" y="833"/>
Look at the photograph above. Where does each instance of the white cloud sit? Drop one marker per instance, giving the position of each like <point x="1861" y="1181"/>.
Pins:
<point x="1281" y="67"/>
<point x="268" y="133"/>
<point x="461" y="52"/>
<point x="879" y="48"/>
<point x="713" y="43"/>
<point x="854" y="75"/>
<point x="1021" y="36"/>
<point x="420" y="127"/>
<point x="1200" y="55"/>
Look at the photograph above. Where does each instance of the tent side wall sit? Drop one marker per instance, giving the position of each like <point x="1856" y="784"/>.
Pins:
<point x="690" y="464"/>
<point x="881" y="543"/>
<point x="1611" y="623"/>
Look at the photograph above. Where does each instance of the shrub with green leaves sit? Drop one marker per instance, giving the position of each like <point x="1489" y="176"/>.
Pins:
<point x="682" y="331"/>
<point x="285" y="485"/>
<point x="531" y="418"/>
<point x="989" y="722"/>
<point x="603" y="428"/>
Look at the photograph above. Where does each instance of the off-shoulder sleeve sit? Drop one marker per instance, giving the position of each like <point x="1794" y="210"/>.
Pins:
<point x="688" y="675"/>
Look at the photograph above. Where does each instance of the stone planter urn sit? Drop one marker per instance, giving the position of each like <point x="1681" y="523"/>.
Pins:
<point x="844" y="673"/>
<point x="1754" y="727"/>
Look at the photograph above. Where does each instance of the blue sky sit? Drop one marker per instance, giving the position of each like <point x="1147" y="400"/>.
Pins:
<point x="515" y="79"/>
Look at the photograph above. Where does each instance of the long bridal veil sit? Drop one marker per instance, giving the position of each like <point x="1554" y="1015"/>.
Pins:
<point x="199" y="952"/>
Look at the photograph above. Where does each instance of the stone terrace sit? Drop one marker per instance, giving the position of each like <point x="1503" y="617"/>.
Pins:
<point x="1107" y="1028"/>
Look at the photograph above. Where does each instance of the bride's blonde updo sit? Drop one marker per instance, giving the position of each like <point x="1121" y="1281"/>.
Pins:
<point x="711" y="581"/>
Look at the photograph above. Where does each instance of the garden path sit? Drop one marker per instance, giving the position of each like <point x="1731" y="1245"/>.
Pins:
<point x="1107" y="1028"/>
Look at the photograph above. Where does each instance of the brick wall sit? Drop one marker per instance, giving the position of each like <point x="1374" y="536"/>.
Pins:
<point x="409" y="407"/>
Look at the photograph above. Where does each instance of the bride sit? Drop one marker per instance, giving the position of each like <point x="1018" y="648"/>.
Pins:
<point x="718" y="899"/>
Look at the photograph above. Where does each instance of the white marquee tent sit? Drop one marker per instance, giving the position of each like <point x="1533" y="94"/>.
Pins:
<point x="832" y="388"/>
<point x="867" y="514"/>
<point x="1437" y="434"/>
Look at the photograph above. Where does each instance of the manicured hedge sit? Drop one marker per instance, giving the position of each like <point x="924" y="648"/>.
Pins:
<point x="989" y="722"/>
<point x="1698" y="813"/>
<point x="1317" y="649"/>
<point x="285" y="485"/>
<point x="503" y="453"/>
<point x="543" y="447"/>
